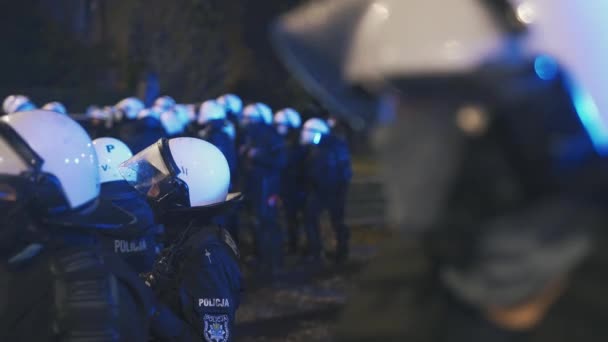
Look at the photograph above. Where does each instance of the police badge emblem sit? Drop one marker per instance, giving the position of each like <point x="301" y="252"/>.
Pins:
<point x="216" y="328"/>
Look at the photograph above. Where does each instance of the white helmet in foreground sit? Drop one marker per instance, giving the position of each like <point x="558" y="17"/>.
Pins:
<point x="131" y="106"/>
<point x="258" y="112"/>
<point x="313" y="130"/>
<point x="287" y="119"/>
<point x="179" y="173"/>
<point x="61" y="153"/>
<point x="17" y="103"/>
<point x="211" y="110"/>
<point x="232" y="103"/>
<point x="56" y="107"/>
<point x="111" y="153"/>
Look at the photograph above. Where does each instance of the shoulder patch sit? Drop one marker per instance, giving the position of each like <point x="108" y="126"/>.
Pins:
<point x="216" y="328"/>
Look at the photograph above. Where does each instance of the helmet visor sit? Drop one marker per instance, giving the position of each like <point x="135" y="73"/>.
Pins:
<point x="154" y="173"/>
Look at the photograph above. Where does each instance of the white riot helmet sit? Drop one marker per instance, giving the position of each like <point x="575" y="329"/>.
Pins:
<point x="95" y="112"/>
<point x="164" y="103"/>
<point x="287" y="119"/>
<point x="111" y="153"/>
<point x="181" y="111"/>
<point x="56" y="107"/>
<point x="313" y="130"/>
<point x="179" y="173"/>
<point x="131" y="106"/>
<point x="149" y="112"/>
<point x="58" y="162"/>
<point x="258" y="112"/>
<point x="17" y="103"/>
<point x="232" y="103"/>
<point x="171" y="123"/>
<point x="211" y="110"/>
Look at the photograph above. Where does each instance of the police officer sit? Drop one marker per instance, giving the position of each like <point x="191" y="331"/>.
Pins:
<point x="56" y="282"/>
<point x="138" y="128"/>
<point x="186" y="181"/>
<point x="127" y="109"/>
<point x="233" y="106"/>
<point x="137" y="244"/>
<point x="211" y="125"/>
<point x="262" y="158"/>
<point x="494" y="157"/>
<point x="56" y="107"/>
<point x="172" y="123"/>
<point x="164" y="103"/>
<point x="17" y="103"/>
<point x="328" y="174"/>
<point x="142" y="131"/>
<point x="287" y="123"/>
<point x="234" y="114"/>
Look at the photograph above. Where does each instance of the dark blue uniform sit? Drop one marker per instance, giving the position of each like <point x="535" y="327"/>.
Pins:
<point x="262" y="187"/>
<point x="138" y="244"/>
<point x="293" y="193"/>
<point x="56" y="284"/>
<point x="141" y="133"/>
<point x="328" y="172"/>
<point x="204" y="285"/>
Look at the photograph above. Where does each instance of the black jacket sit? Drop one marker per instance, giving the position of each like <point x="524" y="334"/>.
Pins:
<point x="137" y="244"/>
<point x="263" y="169"/>
<point x="328" y="164"/>
<point x="69" y="290"/>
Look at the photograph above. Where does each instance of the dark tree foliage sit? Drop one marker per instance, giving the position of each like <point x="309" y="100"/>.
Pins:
<point x="76" y="50"/>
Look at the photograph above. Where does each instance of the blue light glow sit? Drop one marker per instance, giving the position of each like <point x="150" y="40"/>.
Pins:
<point x="591" y="118"/>
<point x="317" y="139"/>
<point x="545" y="67"/>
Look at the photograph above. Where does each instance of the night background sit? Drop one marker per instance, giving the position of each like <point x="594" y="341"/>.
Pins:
<point x="84" y="52"/>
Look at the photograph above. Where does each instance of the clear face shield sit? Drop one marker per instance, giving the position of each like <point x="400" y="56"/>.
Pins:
<point x="154" y="173"/>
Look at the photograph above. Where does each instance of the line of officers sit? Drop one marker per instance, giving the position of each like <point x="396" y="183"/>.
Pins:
<point x="122" y="225"/>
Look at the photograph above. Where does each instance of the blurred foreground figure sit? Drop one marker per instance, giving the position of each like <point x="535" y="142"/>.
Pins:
<point x="55" y="282"/>
<point x="197" y="278"/>
<point x="492" y="135"/>
<point x="138" y="244"/>
<point x="328" y="173"/>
